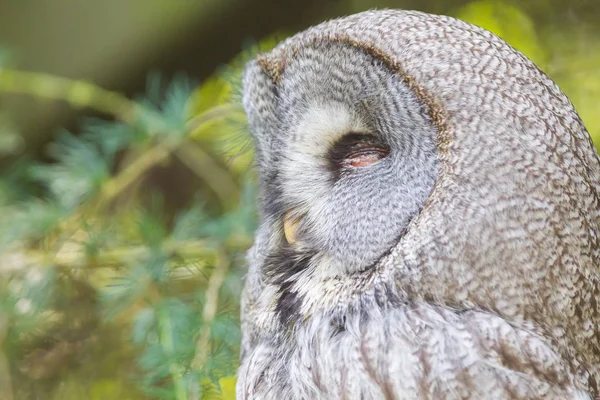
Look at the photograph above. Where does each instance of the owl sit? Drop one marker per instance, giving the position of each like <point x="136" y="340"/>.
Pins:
<point x="429" y="219"/>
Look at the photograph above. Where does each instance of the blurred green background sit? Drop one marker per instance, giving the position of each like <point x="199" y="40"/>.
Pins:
<point x="126" y="181"/>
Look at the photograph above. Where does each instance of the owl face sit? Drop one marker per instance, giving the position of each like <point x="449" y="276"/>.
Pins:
<point x="346" y="158"/>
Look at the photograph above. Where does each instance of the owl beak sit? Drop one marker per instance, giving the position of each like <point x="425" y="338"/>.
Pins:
<point x="290" y="226"/>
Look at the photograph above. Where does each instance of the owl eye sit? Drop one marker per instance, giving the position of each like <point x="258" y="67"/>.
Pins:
<point x="356" y="150"/>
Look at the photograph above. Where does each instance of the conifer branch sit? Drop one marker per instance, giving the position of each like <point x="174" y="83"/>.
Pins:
<point x="86" y="95"/>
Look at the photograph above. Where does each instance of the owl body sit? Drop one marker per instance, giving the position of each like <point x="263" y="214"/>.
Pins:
<point x="430" y="219"/>
<point x="415" y="351"/>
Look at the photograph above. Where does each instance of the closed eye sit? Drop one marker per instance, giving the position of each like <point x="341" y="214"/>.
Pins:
<point x="355" y="150"/>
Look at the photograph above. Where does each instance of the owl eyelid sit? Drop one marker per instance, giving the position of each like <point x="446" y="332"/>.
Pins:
<point x="365" y="157"/>
<point x="356" y="150"/>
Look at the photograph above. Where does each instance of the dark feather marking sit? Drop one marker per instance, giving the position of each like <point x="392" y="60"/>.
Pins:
<point x="282" y="267"/>
<point x="338" y="325"/>
<point x="288" y="305"/>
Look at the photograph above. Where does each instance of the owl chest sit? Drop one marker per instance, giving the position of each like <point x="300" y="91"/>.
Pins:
<point x="416" y="353"/>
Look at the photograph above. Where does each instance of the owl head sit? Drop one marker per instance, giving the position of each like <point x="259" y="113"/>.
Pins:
<point x="346" y="157"/>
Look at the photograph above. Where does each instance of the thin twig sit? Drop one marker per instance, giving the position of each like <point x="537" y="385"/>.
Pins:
<point x="5" y="380"/>
<point x="118" y="256"/>
<point x="210" y="309"/>
<point x="218" y="112"/>
<point x="217" y="178"/>
<point x="75" y="92"/>
<point x="130" y="174"/>
<point x="166" y="340"/>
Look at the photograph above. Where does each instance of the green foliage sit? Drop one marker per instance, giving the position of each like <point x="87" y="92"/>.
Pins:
<point x="95" y="265"/>
<point x="78" y="173"/>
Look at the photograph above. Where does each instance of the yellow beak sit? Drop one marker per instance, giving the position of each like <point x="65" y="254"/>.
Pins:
<point x="290" y="225"/>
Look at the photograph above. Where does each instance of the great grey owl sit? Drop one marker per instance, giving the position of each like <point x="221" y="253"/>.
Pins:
<point x="429" y="219"/>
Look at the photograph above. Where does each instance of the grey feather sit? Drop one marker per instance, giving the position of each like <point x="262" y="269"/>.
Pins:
<point x="463" y="265"/>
